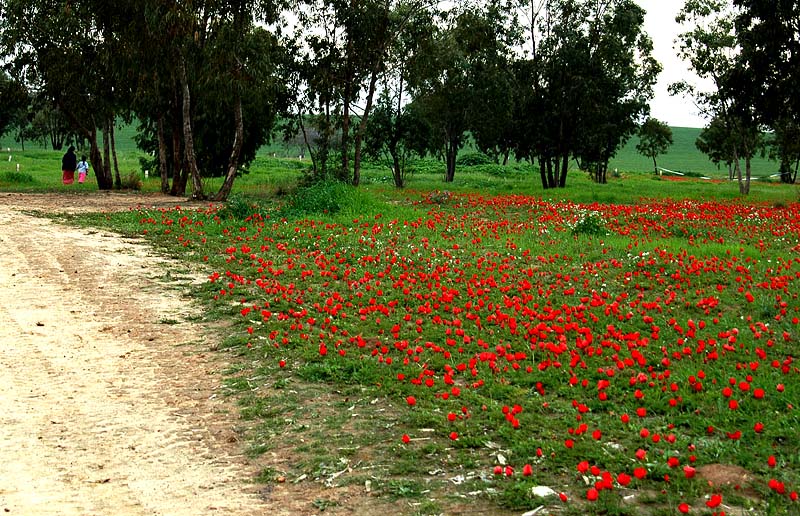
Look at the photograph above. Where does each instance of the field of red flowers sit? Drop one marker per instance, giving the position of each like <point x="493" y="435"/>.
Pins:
<point x="616" y="354"/>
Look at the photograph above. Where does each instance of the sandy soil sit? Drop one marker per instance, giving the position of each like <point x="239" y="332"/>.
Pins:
<point x="110" y="402"/>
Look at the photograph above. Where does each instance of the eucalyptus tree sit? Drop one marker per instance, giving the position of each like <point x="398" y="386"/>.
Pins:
<point x="48" y="125"/>
<point x="655" y="138"/>
<point x="203" y="71"/>
<point x="769" y="38"/>
<point x="586" y="78"/>
<point x="459" y="79"/>
<point x="345" y="48"/>
<point x="785" y="147"/>
<point x="59" y="51"/>
<point x="396" y="131"/>
<point x="14" y="105"/>
<point x="619" y="76"/>
<point x="213" y="94"/>
<point x="395" y="134"/>
<point x="717" y="142"/>
<point x="712" y="49"/>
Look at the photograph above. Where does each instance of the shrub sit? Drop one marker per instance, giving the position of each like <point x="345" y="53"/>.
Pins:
<point x="590" y="223"/>
<point x="327" y="197"/>
<point x="474" y="158"/>
<point x="18" y="177"/>
<point x="440" y="197"/>
<point x="238" y="207"/>
<point x="506" y="171"/>
<point x="131" y="181"/>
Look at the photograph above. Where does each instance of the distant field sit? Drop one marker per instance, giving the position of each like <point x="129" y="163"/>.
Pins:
<point x="683" y="156"/>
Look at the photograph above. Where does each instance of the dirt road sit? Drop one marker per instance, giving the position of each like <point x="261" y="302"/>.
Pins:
<point x="109" y="405"/>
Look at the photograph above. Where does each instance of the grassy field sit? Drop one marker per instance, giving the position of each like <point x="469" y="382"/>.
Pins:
<point x="39" y="169"/>
<point x="683" y="156"/>
<point x="459" y="351"/>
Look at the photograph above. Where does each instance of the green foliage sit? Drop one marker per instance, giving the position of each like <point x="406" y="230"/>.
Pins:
<point x="474" y="158"/>
<point x="131" y="181"/>
<point x="16" y="178"/>
<point x="516" y="171"/>
<point x="596" y="67"/>
<point x="326" y="197"/>
<point x="15" y="102"/>
<point x="590" y="223"/>
<point x="655" y="138"/>
<point x="238" y="207"/>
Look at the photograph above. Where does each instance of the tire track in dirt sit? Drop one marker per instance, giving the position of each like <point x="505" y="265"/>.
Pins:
<point x="106" y="411"/>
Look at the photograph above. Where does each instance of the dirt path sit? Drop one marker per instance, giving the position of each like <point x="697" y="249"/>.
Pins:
<point x="109" y="404"/>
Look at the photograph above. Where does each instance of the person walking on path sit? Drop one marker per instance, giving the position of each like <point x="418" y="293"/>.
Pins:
<point x="68" y="164"/>
<point x="83" y="169"/>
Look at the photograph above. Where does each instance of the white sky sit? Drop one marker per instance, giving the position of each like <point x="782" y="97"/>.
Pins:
<point x="660" y="24"/>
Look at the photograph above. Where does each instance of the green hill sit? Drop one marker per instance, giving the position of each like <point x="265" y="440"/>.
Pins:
<point x="683" y="156"/>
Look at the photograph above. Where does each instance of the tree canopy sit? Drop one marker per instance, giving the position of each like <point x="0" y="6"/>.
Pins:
<point x="655" y="138"/>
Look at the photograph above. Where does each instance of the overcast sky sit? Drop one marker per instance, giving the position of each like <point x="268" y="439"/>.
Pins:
<point x="661" y="26"/>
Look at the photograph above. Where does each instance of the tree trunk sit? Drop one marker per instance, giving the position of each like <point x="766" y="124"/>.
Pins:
<point x="397" y="171"/>
<point x="163" y="169"/>
<point x="543" y="172"/>
<point x="655" y="165"/>
<point x="562" y="179"/>
<point x="748" y="171"/>
<point x="104" y="180"/>
<point x="738" y="169"/>
<point x="362" y="128"/>
<point x="180" y="174"/>
<point x="188" y="136"/>
<point x="308" y="143"/>
<point x="112" y="137"/>
<point x="107" y="155"/>
<point x="347" y="96"/>
<point x="451" y="154"/>
<point x="233" y="162"/>
<point x="346" y="131"/>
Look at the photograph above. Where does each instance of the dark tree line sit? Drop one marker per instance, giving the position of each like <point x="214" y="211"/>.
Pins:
<point x="211" y="81"/>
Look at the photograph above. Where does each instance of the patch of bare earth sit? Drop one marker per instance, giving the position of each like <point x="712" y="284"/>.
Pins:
<point x="111" y="400"/>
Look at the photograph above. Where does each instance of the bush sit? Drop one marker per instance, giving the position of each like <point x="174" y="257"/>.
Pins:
<point x="18" y="177"/>
<point x="425" y="166"/>
<point x="238" y="207"/>
<point x="327" y="197"/>
<point x="507" y="171"/>
<point x="473" y="159"/>
<point x="131" y="181"/>
<point x="590" y="223"/>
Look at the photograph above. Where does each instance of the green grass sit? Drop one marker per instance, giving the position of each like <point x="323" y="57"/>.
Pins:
<point x="277" y="169"/>
<point x="347" y="413"/>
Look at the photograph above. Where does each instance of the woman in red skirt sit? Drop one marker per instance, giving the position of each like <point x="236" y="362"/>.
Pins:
<point x="68" y="164"/>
